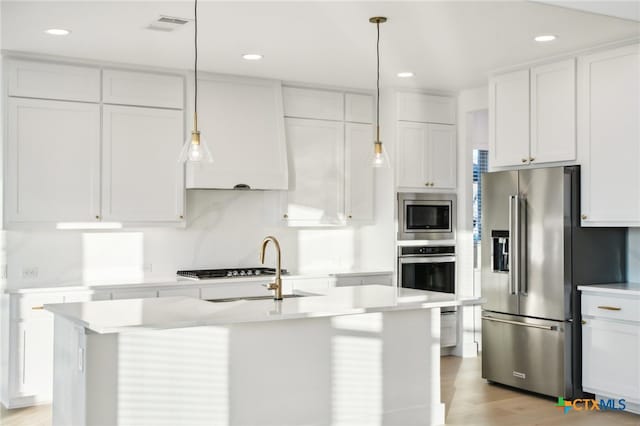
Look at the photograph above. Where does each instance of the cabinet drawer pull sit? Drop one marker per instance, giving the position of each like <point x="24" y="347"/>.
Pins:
<point x="583" y="322"/>
<point x="584" y="217"/>
<point x="610" y="308"/>
<point x="37" y="308"/>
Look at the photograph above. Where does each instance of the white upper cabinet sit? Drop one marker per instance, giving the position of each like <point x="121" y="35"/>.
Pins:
<point x="359" y="173"/>
<point x="412" y="139"/>
<point x="427" y="156"/>
<point x="422" y="108"/>
<point x="609" y="136"/>
<point x="358" y="108"/>
<point x="142" y="181"/>
<point x="316" y="189"/>
<point x="32" y="79"/>
<point x="311" y="103"/>
<point x="532" y="116"/>
<point x="241" y="120"/>
<point x="53" y="161"/>
<point x="509" y="119"/>
<point x="441" y="160"/>
<point x="553" y="112"/>
<point x="142" y="89"/>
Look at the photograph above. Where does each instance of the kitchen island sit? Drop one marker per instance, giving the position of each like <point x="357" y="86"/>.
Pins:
<point x="357" y="355"/>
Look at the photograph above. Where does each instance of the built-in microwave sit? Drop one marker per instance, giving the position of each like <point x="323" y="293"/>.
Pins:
<point x="426" y="216"/>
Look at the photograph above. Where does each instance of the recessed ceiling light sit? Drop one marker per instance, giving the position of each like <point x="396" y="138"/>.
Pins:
<point x="405" y="74"/>
<point x="57" y="31"/>
<point x="544" y="38"/>
<point x="252" y="56"/>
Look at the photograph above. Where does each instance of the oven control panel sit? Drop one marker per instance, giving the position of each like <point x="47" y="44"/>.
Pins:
<point x="427" y="250"/>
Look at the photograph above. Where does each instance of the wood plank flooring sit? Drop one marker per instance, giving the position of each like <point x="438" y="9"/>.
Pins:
<point x="468" y="398"/>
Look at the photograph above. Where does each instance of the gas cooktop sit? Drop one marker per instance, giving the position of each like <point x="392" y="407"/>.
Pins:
<point x="204" y="274"/>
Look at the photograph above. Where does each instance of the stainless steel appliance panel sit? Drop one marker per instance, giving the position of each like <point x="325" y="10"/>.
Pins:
<point x="545" y="218"/>
<point x="498" y="210"/>
<point x="426" y="216"/>
<point x="523" y="352"/>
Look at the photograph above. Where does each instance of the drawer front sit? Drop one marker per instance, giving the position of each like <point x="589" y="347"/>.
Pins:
<point x="53" y="81"/>
<point x="348" y="281"/>
<point x="172" y="292"/>
<point x="234" y="290"/>
<point x="30" y="306"/>
<point x="142" y="89"/>
<point x="622" y="308"/>
<point x="377" y="279"/>
<point x="78" y="297"/>
<point x="134" y="294"/>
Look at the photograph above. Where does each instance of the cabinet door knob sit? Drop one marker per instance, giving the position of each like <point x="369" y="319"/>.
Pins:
<point x="584" y="217"/>
<point x="426" y="184"/>
<point x="98" y="216"/>
<point x="524" y="160"/>
<point x="181" y="216"/>
<point x="285" y="216"/>
<point x="432" y="183"/>
<point x="531" y="159"/>
<point x="350" y="217"/>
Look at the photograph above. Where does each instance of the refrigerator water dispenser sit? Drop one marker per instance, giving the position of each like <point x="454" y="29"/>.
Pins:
<point x="500" y="251"/>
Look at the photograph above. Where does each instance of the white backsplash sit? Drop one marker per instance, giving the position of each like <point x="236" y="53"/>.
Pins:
<point x="224" y="229"/>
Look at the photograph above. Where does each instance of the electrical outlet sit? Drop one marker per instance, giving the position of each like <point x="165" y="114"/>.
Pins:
<point x="4" y="271"/>
<point x="147" y="268"/>
<point x="30" y="273"/>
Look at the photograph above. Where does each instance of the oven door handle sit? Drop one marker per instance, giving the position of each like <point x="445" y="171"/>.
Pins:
<point x="420" y="259"/>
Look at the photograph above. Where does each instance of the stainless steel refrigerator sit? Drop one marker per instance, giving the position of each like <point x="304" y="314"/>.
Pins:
<point x="534" y="255"/>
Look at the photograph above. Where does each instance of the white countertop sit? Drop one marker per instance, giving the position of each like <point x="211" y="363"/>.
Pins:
<point x="618" y="288"/>
<point x="115" y="316"/>
<point x="179" y="281"/>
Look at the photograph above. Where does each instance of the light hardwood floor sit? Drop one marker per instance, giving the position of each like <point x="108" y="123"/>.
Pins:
<point x="468" y="398"/>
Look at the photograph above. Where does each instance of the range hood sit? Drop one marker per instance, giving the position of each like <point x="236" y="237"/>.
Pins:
<point x="242" y="120"/>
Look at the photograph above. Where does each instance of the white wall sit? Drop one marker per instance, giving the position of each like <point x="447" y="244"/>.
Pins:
<point x="472" y="105"/>
<point x="225" y="229"/>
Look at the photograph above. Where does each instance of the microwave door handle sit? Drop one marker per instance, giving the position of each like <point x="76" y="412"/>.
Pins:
<point x="439" y="259"/>
<point x="513" y="246"/>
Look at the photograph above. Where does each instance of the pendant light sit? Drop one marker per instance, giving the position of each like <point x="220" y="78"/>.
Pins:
<point x="380" y="158"/>
<point x="195" y="149"/>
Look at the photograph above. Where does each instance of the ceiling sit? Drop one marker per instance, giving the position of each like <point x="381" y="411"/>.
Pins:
<point x="449" y="45"/>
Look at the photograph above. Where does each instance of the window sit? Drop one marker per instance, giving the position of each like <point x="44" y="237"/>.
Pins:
<point x="480" y="165"/>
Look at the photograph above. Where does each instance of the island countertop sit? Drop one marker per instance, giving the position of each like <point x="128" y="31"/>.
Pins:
<point x="116" y="316"/>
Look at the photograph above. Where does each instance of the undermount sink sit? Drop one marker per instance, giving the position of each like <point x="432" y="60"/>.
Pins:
<point x="235" y="299"/>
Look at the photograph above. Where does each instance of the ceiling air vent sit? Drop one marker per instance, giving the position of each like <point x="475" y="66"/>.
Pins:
<point x="168" y="23"/>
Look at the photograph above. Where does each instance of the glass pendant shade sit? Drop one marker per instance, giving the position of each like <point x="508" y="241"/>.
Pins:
<point x="380" y="159"/>
<point x="195" y="150"/>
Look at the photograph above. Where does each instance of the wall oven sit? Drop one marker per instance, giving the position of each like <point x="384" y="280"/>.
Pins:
<point x="426" y="216"/>
<point x="431" y="268"/>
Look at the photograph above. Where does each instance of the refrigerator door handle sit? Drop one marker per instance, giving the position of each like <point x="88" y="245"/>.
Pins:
<point x="524" y="324"/>
<point x="514" y="245"/>
<point x="521" y="251"/>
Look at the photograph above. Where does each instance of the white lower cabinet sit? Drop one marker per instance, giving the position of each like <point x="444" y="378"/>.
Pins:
<point x="32" y="361"/>
<point x="611" y="346"/>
